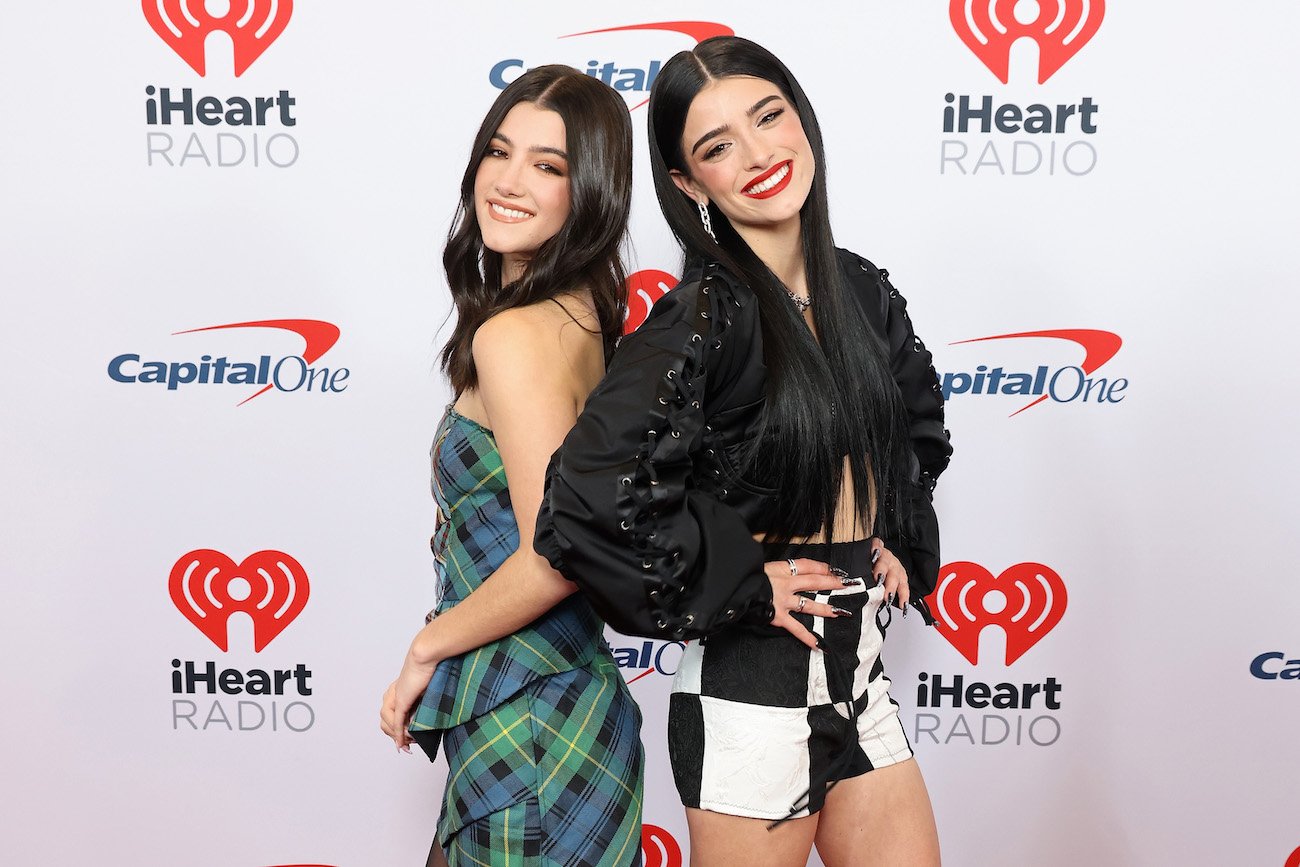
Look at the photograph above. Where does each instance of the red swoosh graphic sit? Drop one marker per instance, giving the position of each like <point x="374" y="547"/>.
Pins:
<point x="697" y="30"/>
<point x="1099" y="347"/>
<point x="318" y="338"/>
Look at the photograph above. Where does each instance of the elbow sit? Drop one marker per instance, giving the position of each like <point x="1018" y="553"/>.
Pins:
<point x="550" y="584"/>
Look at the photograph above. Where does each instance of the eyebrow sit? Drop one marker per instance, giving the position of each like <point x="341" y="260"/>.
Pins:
<point x="535" y="149"/>
<point x="753" y="109"/>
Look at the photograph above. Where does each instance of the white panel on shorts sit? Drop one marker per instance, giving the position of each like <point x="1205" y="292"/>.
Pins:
<point x="688" y="678"/>
<point x="752" y="762"/>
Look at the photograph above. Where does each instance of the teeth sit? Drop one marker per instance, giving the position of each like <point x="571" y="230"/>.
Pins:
<point x="772" y="181"/>
<point x="509" y="212"/>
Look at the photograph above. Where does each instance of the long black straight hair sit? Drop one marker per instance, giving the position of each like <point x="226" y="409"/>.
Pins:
<point x="584" y="253"/>
<point x="822" y="403"/>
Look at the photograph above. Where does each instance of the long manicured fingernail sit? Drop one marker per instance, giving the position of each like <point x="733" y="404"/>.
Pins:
<point x="880" y="579"/>
<point x="821" y="645"/>
<point x="851" y="582"/>
<point x="905" y="611"/>
<point x="835" y="570"/>
<point x="891" y="599"/>
<point x="841" y="612"/>
<point x="875" y="555"/>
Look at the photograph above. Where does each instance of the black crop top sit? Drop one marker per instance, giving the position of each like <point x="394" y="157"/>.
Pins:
<point x="644" y="507"/>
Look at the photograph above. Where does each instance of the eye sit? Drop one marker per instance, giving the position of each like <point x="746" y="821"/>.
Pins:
<point x="770" y="116"/>
<point x="494" y="151"/>
<point x="551" y="169"/>
<point x="716" y="150"/>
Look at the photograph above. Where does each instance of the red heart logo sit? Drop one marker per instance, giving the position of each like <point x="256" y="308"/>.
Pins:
<point x="202" y="588"/>
<point x="990" y="27"/>
<point x="185" y="24"/>
<point x="1027" y="600"/>
<point x="644" y="288"/>
<point x="659" y="847"/>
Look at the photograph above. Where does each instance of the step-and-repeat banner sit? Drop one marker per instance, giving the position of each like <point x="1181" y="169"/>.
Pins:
<point x="222" y="223"/>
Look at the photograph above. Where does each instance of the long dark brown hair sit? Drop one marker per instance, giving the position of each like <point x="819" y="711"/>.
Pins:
<point x="584" y="254"/>
<point x="822" y="403"/>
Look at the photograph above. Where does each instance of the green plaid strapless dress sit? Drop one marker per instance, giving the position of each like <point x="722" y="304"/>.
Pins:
<point x="541" y="735"/>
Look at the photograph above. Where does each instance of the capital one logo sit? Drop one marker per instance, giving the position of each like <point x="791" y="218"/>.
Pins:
<point x="289" y="373"/>
<point x="632" y="78"/>
<point x="1025" y="601"/>
<point x="1059" y="27"/>
<point x="1066" y="384"/>
<point x="659" y="847"/>
<point x="185" y="25"/>
<point x="208" y="587"/>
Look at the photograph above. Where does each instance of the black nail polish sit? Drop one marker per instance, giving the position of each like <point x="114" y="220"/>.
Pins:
<point x="821" y="643"/>
<point x="904" y="611"/>
<point x="880" y="579"/>
<point x="875" y="555"/>
<point x="851" y="582"/>
<point x="841" y="612"/>
<point x="835" y="570"/>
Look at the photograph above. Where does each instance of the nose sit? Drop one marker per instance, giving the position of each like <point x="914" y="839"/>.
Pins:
<point x="508" y="181"/>
<point x="755" y="154"/>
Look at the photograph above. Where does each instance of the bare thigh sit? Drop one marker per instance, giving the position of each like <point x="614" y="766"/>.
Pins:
<point x="719" y="839"/>
<point x="881" y="817"/>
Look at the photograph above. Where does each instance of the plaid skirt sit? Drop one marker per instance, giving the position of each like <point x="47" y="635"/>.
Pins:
<point x="551" y="777"/>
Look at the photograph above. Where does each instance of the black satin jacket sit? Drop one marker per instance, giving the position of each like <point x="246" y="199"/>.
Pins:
<point x="644" y="507"/>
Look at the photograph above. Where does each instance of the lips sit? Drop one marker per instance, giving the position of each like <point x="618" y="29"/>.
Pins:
<point x="771" y="182"/>
<point x="506" y="214"/>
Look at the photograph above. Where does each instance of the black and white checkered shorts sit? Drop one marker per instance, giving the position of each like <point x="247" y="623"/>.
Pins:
<point x="759" y="725"/>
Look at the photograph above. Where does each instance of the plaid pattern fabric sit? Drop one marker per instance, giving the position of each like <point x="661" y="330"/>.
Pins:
<point x="476" y="532"/>
<point x="551" y="777"/>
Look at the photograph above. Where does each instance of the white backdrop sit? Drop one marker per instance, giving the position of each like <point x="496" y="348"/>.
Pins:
<point x="1157" y="523"/>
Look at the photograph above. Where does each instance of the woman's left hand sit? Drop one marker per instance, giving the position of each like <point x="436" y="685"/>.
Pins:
<point x="400" y="700"/>
<point x="888" y="571"/>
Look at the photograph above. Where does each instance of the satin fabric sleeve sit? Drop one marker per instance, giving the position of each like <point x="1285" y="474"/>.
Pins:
<point x="633" y="509"/>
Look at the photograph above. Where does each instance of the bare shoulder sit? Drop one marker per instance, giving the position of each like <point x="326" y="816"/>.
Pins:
<point x="559" y="338"/>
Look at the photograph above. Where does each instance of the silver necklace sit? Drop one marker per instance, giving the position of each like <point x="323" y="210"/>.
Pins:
<point x="801" y="302"/>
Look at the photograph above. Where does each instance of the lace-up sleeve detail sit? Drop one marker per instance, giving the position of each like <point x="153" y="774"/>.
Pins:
<point x="633" y="511"/>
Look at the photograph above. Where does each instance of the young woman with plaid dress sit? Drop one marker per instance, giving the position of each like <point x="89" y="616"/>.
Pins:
<point x="511" y="676"/>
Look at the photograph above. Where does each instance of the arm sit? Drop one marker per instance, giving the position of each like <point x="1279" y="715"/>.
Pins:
<point x="531" y="395"/>
<point x="634" y="509"/>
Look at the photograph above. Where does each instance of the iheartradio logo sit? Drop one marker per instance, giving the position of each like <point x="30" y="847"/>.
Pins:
<point x="644" y="288"/>
<point x="207" y="587"/>
<point x="1059" y="27"/>
<point x="184" y="25"/>
<point x="659" y="847"/>
<point x="1026" y="600"/>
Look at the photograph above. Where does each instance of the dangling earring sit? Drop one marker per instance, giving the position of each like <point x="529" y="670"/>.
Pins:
<point x="708" y="223"/>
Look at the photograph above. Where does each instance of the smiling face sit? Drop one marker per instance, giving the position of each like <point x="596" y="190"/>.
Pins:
<point x="521" y="188"/>
<point x="746" y="152"/>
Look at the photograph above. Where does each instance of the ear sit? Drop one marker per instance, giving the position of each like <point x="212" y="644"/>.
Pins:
<point x="687" y="186"/>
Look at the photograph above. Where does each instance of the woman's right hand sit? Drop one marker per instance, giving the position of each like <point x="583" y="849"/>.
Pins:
<point x="788" y="578"/>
